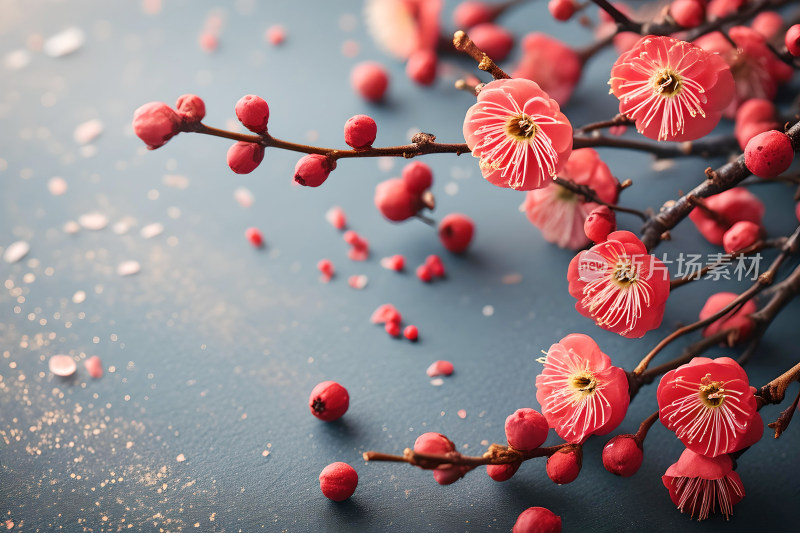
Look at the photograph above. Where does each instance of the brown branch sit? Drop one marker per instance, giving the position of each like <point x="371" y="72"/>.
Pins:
<point x="785" y="417"/>
<point x="774" y="391"/>
<point x="722" y="179"/>
<point x="590" y="195"/>
<point x="753" y="248"/>
<point x="618" y="120"/>
<point x="497" y="454"/>
<point x="709" y="147"/>
<point x="463" y="43"/>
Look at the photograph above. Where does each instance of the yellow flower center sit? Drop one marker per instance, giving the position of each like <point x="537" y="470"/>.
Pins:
<point x="521" y="127"/>
<point x="712" y="393"/>
<point x="625" y="274"/>
<point x="584" y="383"/>
<point x="668" y="82"/>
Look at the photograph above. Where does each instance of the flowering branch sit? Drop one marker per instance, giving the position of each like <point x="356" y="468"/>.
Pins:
<point x="764" y="280"/>
<point x="590" y="195"/>
<point x="463" y="43"/>
<point x="719" y="180"/>
<point x="496" y="454"/>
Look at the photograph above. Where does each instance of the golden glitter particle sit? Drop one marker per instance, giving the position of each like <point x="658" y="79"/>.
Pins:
<point x="181" y="458"/>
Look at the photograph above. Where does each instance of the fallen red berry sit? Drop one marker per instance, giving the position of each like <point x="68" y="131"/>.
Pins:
<point x="254" y="236"/>
<point x="338" y="481"/>
<point x="329" y="401"/>
<point x="392" y="328"/>
<point x="537" y="520"/>
<point x="424" y="273"/>
<point x="456" y="231"/>
<point x="411" y="333"/>
<point x="370" y="80"/>
<point x="395" y="201"/>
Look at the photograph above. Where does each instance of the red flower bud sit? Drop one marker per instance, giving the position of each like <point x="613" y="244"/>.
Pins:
<point x="244" y="157"/>
<point x="792" y="40"/>
<point x="741" y="235"/>
<point x="191" y="108"/>
<point x="395" y="201"/>
<point x="421" y="66"/>
<point x="313" y="169"/>
<point x="600" y="222"/>
<point x="155" y="123"/>
<point x="526" y="429"/>
<point x="623" y="455"/>
<point x="503" y="472"/>
<point x="253" y="112"/>
<point x="565" y="465"/>
<point x="769" y="154"/>
<point x="456" y="231"/>
<point x="537" y="520"/>
<point x="688" y="13"/>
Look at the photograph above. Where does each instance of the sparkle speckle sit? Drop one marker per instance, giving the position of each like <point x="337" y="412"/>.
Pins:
<point x="488" y="310"/>
<point x="180" y="458"/>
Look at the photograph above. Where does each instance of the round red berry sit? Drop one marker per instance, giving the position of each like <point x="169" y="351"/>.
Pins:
<point x="329" y="401"/>
<point x="191" y="108"/>
<point x="792" y="40"/>
<point x="370" y="80"/>
<point x="392" y="328"/>
<point x="537" y="520"/>
<point x="411" y="332"/>
<point x="565" y="465"/>
<point x="255" y="237"/>
<point x="769" y="154"/>
<point x="338" y="481"/>
<point x="421" y="67"/>
<point x="456" y="231"/>
<point x="526" y="429"/>
<point x="417" y="177"/>
<point x="503" y="472"/>
<point x="623" y="455"/>
<point x="424" y="273"/>
<point x="155" y="123"/>
<point x="360" y="131"/>
<point x="253" y="112"/>
<point x="394" y="201"/>
<point x="313" y="169"/>
<point x="435" y="265"/>
<point x="244" y="157"/>
<point x="600" y="222"/>
<point x="561" y="9"/>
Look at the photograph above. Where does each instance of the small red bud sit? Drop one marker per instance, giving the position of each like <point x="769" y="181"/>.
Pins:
<point x="421" y="66"/>
<point x="244" y="157"/>
<point x="561" y="9"/>
<point x="417" y="177"/>
<point x="394" y="200"/>
<point x="769" y="154"/>
<point x="623" y="455"/>
<point x="155" y="123"/>
<point x="191" y="108"/>
<point x="792" y="40"/>
<point x="360" y="131"/>
<point x="456" y="231"/>
<point x="329" y="401"/>
<point x="313" y="169"/>
<point x="688" y="13"/>
<point x="370" y="80"/>
<point x="565" y="465"/>
<point x="253" y="112"/>
<point x="526" y="429"/>
<point x="503" y="472"/>
<point x="741" y="235"/>
<point x="600" y="222"/>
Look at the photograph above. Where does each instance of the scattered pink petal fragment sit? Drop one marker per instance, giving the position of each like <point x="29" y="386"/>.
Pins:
<point x="440" y="368"/>
<point x="385" y="313"/>
<point x="88" y="131"/>
<point x="276" y="35"/>
<point x="151" y="7"/>
<point x="71" y="227"/>
<point x="358" y="282"/>
<point x="336" y="217"/>
<point x="512" y="279"/>
<point x="462" y="413"/>
<point x="244" y="197"/>
<point x="350" y="48"/>
<point x="359" y="250"/>
<point x="17" y="59"/>
<point x="395" y="262"/>
<point x="65" y="42"/>
<point x="392" y="328"/>
<point x="208" y="42"/>
<point x="255" y="237"/>
<point x="62" y="365"/>
<point x="180" y="458"/>
<point x="57" y="186"/>
<point x="128" y="268"/>
<point x="93" y="221"/>
<point x="94" y="366"/>
<point x="16" y="251"/>
<point x="177" y="181"/>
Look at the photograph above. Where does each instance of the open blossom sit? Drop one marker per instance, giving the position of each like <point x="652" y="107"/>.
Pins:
<point x="699" y="485"/>
<point x="580" y="392"/>
<point x="521" y="137"/>
<point x="710" y="406"/>
<point x="619" y="285"/>
<point x="552" y="64"/>
<point x="674" y="90"/>
<point x="559" y="212"/>
<point x="756" y="70"/>
<point x="401" y="27"/>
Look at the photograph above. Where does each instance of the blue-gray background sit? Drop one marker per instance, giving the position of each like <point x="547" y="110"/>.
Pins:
<point x="215" y="345"/>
